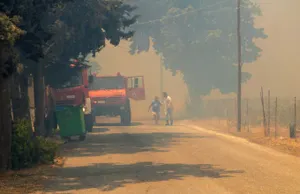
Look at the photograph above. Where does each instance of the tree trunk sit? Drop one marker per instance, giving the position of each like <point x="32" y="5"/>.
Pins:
<point x="19" y="94"/>
<point x="39" y="96"/>
<point x="24" y="95"/>
<point x="5" y="124"/>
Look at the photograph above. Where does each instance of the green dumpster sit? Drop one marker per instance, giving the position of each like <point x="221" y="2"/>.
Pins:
<point x="70" y="120"/>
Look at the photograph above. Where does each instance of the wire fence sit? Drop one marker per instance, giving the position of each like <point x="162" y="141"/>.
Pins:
<point x="271" y="113"/>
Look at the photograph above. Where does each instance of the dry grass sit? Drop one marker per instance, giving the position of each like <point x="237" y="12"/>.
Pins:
<point x="28" y="180"/>
<point x="256" y="135"/>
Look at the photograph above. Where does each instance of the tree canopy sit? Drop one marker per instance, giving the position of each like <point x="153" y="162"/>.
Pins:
<point x="199" y="39"/>
<point x="58" y="30"/>
<point x="82" y="27"/>
<point x="9" y="33"/>
<point x="26" y="17"/>
<point x="54" y="32"/>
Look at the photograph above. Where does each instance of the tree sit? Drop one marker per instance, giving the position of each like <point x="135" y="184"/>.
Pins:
<point x="9" y="32"/>
<point x="32" y="44"/>
<point x="80" y="33"/>
<point x="200" y="41"/>
<point x="61" y="29"/>
<point x="13" y="20"/>
<point x="55" y="31"/>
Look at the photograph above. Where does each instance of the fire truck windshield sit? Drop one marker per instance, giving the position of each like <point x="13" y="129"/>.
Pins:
<point x="101" y="83"/>
<point x="73" y="82"/>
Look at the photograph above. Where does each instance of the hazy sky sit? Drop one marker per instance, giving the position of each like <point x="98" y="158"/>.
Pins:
<point x="277" y="69"/>
<point x="117" y="59"/>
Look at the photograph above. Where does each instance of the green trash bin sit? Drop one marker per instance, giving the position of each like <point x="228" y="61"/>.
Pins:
<point x="70" y="120"/>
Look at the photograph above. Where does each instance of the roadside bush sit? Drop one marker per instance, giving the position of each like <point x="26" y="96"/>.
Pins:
<point x="45" y="150"/>
<point x="28" y="150"/>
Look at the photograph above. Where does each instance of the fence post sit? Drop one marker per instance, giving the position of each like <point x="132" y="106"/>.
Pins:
<point x="295" y="115"/>
<point x="227" y="118"/>
<point x="247" y="115"/>
<point x="235" y="108"/>
<point x="292" y="130"/>
<point x="269" y="112"/>
<point x="276" y="117"/>
<point x="293" y="125"/>
<point x="263" y="110"/>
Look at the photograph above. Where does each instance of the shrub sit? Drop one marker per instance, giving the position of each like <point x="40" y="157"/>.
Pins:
<point x="28" y="150"/>
<point x="45" y="150"/>
<point x="22" y="145"/>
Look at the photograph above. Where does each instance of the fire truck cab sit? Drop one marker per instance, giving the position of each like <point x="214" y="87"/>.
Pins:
<point x="110" y="95"/>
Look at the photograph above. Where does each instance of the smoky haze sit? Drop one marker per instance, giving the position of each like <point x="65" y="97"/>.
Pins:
<point x="117" y="59"/>
<point x="276" y="69"/>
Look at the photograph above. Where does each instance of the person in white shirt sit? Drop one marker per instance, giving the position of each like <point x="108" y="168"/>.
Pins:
<point x="168" y="108"/>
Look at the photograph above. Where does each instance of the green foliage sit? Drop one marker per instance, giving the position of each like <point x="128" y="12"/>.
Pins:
<point x="28" y="150"/>
<point x="58" y="30"/>
<point x="22" y="145"/>
<point x="62" y="29"/>
<point x="45" y="150"/>
<point x="199" y="39"/>
<point x="22" y="17"/>
<point x="9" y="31"/>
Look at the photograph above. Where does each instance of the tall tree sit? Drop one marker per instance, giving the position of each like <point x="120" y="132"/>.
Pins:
<point x="55" y="31"/>
<point x="33" y="44"/>
<point x="9" y="32"/>
<point x="61" y="29"/>
<point x="199" y="39"/>
<point x="82" y="28"/>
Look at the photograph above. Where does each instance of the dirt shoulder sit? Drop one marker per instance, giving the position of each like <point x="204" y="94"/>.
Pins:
<point x="28" y="180"/>
<point x="256" y="135"/>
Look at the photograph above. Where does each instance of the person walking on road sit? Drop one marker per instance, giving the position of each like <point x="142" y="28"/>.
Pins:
<point x="168" y="108"/>
<point x="155" y="105"/>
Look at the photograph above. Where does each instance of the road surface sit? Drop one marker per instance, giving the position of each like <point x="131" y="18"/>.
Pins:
<point x="185" y="159"/>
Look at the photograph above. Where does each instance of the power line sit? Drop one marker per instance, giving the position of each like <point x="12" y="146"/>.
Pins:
<point x="181" y="14"/>
<point x="194" y="11"/>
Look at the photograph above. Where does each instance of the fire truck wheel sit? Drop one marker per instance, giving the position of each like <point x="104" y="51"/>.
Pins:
<point x="67" y="139"/>
<point x="126" y="116"/>
<point x="89" y="122"/>
<point x="82" y="137"/>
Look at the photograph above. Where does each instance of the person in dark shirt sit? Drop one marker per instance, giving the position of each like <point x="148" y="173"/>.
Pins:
<point x="155" y="105"/>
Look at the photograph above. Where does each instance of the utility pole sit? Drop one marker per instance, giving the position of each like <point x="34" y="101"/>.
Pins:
<point x="161" y="80"/>
<point x="239" y="89"/>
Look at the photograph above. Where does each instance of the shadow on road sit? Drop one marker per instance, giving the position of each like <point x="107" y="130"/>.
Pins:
<point x="100" y="130"/>
<point x="116" y="124"/>
<point x="125" y="143"/>
<point x="108" y="177"/>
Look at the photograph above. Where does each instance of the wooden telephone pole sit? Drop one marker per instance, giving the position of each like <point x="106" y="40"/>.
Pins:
<point x="239" y="89"/>
<point x="161" y="80"/>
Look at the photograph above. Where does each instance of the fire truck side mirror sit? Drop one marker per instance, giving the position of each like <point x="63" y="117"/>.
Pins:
<point x="91" y="79"/>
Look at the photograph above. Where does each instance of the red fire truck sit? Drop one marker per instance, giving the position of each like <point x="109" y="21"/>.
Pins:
<point x="110" y="95"/>
<point x="75" y="93"/>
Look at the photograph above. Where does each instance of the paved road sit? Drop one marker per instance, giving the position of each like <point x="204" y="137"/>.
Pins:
<point x="170" y="160"/>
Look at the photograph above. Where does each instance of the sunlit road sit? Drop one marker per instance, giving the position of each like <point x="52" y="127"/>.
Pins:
<point x="145" y="158"/>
